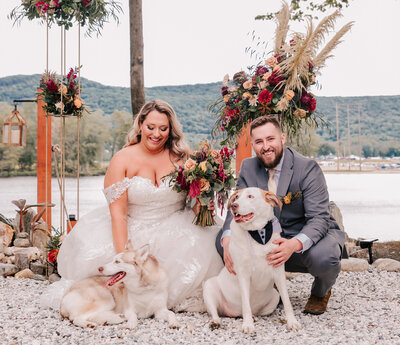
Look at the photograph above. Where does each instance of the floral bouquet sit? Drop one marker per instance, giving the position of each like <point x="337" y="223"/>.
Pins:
<point x="61" y="97"/>
<point x="206" y="174"/>
<point x="93" y="13"/>
<point x="53" y="247"/>
<point x="280" y="85"/>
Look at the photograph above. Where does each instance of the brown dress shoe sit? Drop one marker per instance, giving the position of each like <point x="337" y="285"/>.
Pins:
<point x="317" y="305"/>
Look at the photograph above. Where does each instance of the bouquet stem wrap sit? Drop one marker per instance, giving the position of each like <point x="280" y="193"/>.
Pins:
<point x="204" y="217"/>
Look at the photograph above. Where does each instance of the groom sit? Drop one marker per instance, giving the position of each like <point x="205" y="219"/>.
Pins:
<point x="311" y="239"/>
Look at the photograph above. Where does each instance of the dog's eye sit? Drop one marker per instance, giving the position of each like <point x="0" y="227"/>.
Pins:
<point x="250" y="196"/>
<point x="117" y="261"/>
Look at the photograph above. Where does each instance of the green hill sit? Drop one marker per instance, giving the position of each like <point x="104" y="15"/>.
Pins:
<point x="380" y="115"/>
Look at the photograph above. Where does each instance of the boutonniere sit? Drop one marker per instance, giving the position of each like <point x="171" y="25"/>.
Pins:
<point x="289" y="197"/>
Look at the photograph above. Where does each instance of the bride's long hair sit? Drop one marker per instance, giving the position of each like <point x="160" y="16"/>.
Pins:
<point x="175" y="143"/>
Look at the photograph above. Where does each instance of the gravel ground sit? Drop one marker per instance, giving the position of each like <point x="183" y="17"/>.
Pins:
<point x="364" y="309"/>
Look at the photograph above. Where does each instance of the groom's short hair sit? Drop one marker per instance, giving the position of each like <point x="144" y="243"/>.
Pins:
<point x="262" y="120"/>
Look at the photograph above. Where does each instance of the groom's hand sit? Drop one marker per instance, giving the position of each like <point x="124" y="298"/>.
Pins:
<point x="227" y="256"/>
<point x="279" y="255"/>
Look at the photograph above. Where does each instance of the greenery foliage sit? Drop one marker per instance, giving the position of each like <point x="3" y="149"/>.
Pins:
<point x="90" y="13"/>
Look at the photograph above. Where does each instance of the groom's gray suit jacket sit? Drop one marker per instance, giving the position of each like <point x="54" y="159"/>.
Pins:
<point x="308" y="214"/>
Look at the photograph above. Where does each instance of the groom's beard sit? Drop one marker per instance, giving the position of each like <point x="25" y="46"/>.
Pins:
<point x="271" y="164"/>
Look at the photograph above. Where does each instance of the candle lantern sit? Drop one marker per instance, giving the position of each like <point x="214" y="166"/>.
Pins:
<point x="14" y="129"/>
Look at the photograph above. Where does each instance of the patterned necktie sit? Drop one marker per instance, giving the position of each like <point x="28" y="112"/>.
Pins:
<point x="271" y="181"/>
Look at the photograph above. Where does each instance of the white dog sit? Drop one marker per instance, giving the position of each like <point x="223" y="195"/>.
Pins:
<point x="138" y="287"/>
<point x="252" y="290"/>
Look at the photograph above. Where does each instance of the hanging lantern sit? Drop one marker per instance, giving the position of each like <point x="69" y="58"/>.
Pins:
<point x="14" y="129"/>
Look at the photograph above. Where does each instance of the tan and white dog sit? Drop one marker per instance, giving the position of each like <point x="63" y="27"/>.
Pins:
<point x="251" y="291"/>
<point x="138" y="287"/>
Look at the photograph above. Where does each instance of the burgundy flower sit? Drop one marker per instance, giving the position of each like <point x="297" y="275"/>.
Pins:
<point x="275" y="78"/>
<point x="224" y="90"/>
<point x="181" y="179"/>
<point x="261" y="70"/>
<point x="86" y="2"/>
<point x="239" y="77"/>
<point x="51" y="86"/>
<point x="265" y="96"/>
<point x="308" y="101"/>
<point x="194" y="191"/>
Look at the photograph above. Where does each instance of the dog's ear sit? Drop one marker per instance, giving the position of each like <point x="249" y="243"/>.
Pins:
<point x="129" y="245"/>
<point x="233" y="197"/>
<point x="143" y="252"/>
<point x="272" y="199"/>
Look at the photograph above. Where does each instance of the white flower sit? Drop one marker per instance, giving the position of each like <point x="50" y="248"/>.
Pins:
<point x="60" y="105"/>
<point x="253" y="101"/>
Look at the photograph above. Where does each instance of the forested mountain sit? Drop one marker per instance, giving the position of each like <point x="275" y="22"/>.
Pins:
<point x="380" y="115"/>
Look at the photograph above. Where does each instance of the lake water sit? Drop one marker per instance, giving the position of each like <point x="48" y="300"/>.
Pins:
<point x="369" y="202"/>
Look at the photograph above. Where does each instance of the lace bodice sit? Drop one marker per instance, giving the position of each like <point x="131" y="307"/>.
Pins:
<point x="146" y="202"/>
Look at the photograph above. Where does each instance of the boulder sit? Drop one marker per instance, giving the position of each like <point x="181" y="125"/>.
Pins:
<point x="37" y="267"/>
<point x="22" y="235"/>
<point x="23" y="256"/>
<point x="26" y="220"/>
<point x="354" y="265"/>
<point x="40" y="236"/>
<point x="335" y="212"/>
<point x="6" y="234"/>
<point x="38" y="277"/>
<point x="389" y="265"/>
<point x="8" y="269"/>
<point x="2" y="257"/>
<point x="22" y="242"/>
<point x="26" y="273"/>
<point x="54" y="277"/>
<point x="9" y="251"/>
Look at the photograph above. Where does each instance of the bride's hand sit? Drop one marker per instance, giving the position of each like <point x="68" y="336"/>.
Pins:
<point x="211" y="207"/>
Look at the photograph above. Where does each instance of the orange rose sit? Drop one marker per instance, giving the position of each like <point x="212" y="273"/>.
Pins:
<point x="63" y="89"/>
<point x="289" y="94"/>
<point x="227" y="97"/>
<point x="189" y="164"/>
<point x="203" y="166"/>
<point x="300" y="113"/>
<point x="78" y="102"/>
<point x="276" y="68"/>
<point x="204" y="185"/>
<point x="286" y="200"/>
<point x="266" y="75"/>
<point x="246" y="95"/>
<point x="248" y="84"/>
<point x="272" y="61"/>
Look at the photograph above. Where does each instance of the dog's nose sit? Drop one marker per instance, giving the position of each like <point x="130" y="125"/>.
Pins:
<point x="234" y="207"/>
<point x="101" y="269"/>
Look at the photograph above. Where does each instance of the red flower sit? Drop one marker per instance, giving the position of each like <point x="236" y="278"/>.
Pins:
<point x="308" y="101"/>
<point x="265" y="96"/>
<point x="181" y="179"/>
<point x="261" y="70"/>
<point x="86" y="2"/>
<point x="194" y="191"/>
<point x="275" y="78"/>
<point x="53" y="255"/>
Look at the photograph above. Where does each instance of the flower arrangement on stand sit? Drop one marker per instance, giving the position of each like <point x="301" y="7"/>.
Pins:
<point x="61" y="96"/>
<point x="205" y="175"/>
<point x="279" y="85"/>
<point x="90" y="13"/>
<point x="53" y="247"/>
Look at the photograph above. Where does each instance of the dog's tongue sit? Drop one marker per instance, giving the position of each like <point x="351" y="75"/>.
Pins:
<point x="243" y="218"/>
<point x="115" y="278"/>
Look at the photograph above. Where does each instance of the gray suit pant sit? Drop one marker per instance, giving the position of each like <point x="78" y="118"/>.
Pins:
<point x="322" y="261"/>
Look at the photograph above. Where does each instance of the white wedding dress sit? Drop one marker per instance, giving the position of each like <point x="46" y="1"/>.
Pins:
<point x="156" y="216"/>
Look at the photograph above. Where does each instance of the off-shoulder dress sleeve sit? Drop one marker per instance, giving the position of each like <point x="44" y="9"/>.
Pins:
<point x="114" y="192"/>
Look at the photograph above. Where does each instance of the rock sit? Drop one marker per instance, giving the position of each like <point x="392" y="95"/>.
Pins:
<point x="40" y="236"/>
<point x="11" y="259"/>
<point x="359" y="253"/>
<point x="22" y="235"/>
<point x="8" y="269"/>
<point x="22" y="260"/>
<point x="37" y="267"/>
<point x="2" y="256"/>
<point x="389" y="265"/>
<point x="9" y="251"/>
<point x="22" y="242"/>
<point x="6" y="234"/>
<point x="354" y="265"/>
<point x="26" y="220"/>
<point x="54" y="277"/>
<point x="335" y="212"/>
<point x="26" y="273"/>
<point x="38" y="277"/>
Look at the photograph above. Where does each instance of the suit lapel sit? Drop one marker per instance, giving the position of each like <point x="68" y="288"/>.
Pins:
<point x="284" y="178"/>
<point x="262" y="176"/>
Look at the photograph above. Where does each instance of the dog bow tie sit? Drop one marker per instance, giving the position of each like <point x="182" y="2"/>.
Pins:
<point x="268" y="233"/>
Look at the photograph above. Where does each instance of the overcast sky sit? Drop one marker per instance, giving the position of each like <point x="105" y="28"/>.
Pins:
<point x="189" y="42"/>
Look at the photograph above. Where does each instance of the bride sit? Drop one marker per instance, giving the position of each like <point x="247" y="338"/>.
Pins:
<point x="142" y="207"/>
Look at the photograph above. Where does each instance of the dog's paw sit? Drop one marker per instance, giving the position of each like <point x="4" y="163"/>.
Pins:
<point x="215" y="324"/>
<point x="248" y="327"/>
<point x="293" y="324"/>
<point x="131" y="324"/>
<point x="173" y="323"/>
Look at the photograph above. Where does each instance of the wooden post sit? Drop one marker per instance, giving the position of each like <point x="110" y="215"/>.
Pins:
<point x="243" y="149"/>
<point x="43" y="159"/>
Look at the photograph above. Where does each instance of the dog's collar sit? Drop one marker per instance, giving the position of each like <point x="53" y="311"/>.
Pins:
<point x="255" y="234"/>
